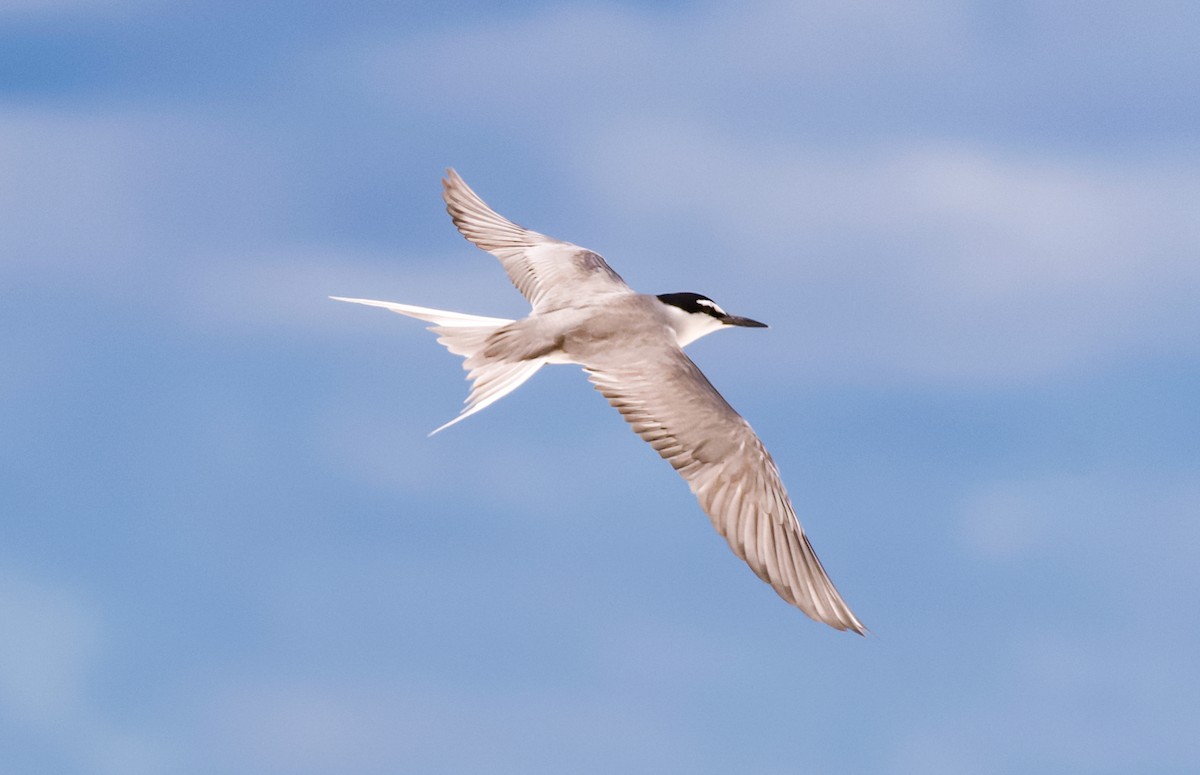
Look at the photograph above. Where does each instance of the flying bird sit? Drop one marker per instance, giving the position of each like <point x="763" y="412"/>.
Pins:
<point x="631" y="347"/>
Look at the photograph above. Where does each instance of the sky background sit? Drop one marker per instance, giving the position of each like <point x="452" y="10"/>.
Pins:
<point x="227" y="546"/>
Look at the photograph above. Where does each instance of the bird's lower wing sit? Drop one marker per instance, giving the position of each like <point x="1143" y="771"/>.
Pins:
<point x="672" y="405"/>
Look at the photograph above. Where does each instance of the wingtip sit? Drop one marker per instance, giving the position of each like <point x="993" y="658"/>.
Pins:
<point x="852" y="624"/>
<point x="441" y="428"/>
<point x="464" y="414"/>
<point x="454" y="190"/>
<point x="352" y="300"/>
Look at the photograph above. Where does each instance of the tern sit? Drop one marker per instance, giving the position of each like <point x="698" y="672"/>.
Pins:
<point x="631" y="347"/>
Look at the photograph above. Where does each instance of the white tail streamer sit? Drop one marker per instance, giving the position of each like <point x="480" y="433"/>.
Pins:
<point x="465" y="335"/>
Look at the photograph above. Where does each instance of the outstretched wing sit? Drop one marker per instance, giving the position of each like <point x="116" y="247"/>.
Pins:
<point x="672" y="405"/>
<point x="548" y="272"/>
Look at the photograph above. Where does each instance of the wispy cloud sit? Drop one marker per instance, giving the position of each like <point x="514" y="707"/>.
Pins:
<point x="1073" y="699"/>
<point x="973" y="257"/>
<point x="965" y="265"/>
<point x="49" y="652"/>
<point x="108" y="199"/>
<point x="51" y="661"/>
<point x="57" y="8"/>
<point x="966" y="222"/>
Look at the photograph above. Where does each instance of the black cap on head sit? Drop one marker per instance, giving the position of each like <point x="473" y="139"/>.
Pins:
<point x="692" y="303"/>
<point x="695" y="303"/>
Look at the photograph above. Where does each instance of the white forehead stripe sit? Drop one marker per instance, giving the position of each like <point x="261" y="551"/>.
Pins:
<point x="711" y="305"/>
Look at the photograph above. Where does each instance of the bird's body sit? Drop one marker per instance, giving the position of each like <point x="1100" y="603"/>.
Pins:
<point x="630" y="345"/>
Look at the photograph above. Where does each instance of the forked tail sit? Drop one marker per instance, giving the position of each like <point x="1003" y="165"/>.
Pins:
<point x="465" y="335"/>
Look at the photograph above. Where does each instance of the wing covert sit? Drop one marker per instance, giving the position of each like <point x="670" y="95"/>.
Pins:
<point x="548" y="272"/>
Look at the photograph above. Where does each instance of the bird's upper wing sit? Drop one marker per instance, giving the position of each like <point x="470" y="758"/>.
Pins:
<point x="672" y="405"/>
<point x="548" y="272"/>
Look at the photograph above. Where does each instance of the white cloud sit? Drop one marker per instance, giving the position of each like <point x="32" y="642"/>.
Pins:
<point x="915" y="251"/>
<point x="286" y="288"/>
<point x="30" y="8"/>
<point x="412" y="725"/>
<point x="1097" y="677"/>
<point x="1094" y="701"/>
<point x="50" y="654"/>
<point x="47" y="653"/>
<point x="108" y="200"/>
<point x="1000" y="523"/>
<point x="385" y="447"/>
<point x="67" y="204"/>
<point x="1107" y="524"/>
<point x="834" y="69"/>
<point x="580" y="64"/>
<point x="933" y="263"/>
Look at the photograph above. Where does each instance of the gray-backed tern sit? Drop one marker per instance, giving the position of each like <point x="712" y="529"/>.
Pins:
<point x="631" y="346"/>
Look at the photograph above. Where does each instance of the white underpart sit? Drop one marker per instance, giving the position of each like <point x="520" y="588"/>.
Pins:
<point x="690" y="326"/>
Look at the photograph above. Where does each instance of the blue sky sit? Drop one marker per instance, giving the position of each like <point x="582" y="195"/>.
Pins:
<point x="227" y="545"/>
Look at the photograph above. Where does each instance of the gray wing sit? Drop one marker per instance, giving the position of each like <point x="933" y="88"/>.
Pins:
<point x="548" y="272"/>
<point x="672" y="405"/>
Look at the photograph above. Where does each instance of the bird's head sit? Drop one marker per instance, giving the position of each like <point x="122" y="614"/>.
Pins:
<point x="694" y="316"/>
